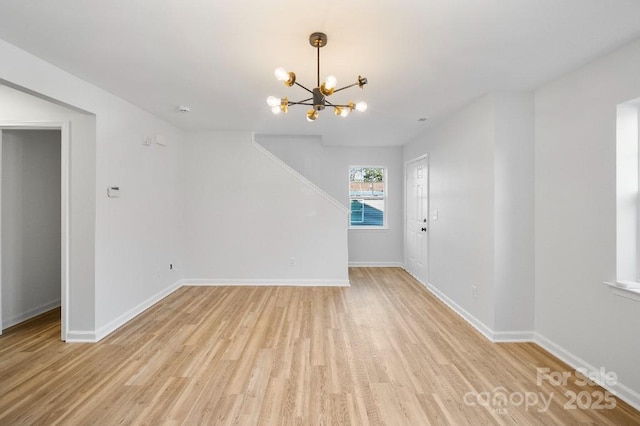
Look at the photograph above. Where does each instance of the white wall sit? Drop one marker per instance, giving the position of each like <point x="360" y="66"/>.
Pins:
<point x="121" y="248"/>
<point x="514" y="212"/>
<point x="481" y="183"/>
<point x="305" y="154"/>
<point x="461" y="188"/>
<point x="248" y="216"/>
<point x="328" y="167"/>
<point x="30" y="185"/>
<point x="575" y="212"/>
<point x="18" y="106"/>
<point x="141" y="233"/>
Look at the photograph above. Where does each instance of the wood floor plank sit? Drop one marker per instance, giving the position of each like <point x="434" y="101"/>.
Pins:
<point x="383" y="351"/>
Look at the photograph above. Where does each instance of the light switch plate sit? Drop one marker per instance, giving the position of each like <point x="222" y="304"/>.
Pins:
<point x="113" y="191"/>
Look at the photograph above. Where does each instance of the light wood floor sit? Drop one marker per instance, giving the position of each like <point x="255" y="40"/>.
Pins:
<point x="383" y="351"/>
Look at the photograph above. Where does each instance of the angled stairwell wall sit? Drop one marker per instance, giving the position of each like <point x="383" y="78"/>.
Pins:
<point x="252" y="220"/>
<point x="327" y="167"/>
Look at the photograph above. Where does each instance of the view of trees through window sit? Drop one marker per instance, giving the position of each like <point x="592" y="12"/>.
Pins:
<point x="367" y="196"/>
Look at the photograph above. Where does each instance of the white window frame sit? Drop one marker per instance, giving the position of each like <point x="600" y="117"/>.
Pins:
<point x="385" y="182"/>
<point x="627" y="281"/>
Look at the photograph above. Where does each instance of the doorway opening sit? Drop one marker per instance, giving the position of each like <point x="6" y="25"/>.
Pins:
<point x="34" y="172"/>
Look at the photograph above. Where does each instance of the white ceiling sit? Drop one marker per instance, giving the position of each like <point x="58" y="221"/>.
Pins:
<point x="422" y="58"/>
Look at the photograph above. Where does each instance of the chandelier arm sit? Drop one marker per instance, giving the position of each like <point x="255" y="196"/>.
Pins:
<point x="300" y="85"/>
<point x="303" y="102"/>
<point x="345" y="87"/>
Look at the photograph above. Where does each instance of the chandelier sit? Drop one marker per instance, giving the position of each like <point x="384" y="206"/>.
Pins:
<point x="318" y="100"/>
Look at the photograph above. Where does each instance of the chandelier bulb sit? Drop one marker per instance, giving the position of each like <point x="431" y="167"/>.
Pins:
<point x="344" y="113"/>
<point x="288" y="78"/>
<point x="361" y="106"/>
<point x="330" y="82"/>
<point x="273" y="101"/>
<point x="276" y="109"/>
<point x="281" y="74"/>
<point x="326" y="90"/>
<point x="312" y="114"/>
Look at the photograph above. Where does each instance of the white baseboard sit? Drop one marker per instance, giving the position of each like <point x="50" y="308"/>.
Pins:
<point x="34" y="312"/>
<point x="475" y="323"/>
<point x="79" y="336"/>
<point x="494" y="336"/>
<point x="132" y="313"/>
<point x="376" y="265"/>
<point x="513" y="336"/>
<point x="254" y="282"/>
<point x="623" y="392"/>
<point x="105" y="330"/>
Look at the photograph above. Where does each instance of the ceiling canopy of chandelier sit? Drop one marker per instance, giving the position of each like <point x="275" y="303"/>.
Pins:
<point x="318" y="100"/>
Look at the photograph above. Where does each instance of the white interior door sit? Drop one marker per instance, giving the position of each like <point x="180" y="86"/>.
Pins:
<point x="417" y="219"/>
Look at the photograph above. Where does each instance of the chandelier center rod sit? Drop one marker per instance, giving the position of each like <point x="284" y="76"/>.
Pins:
<point x="318" y="40"/>
<point x="318" y="80"/>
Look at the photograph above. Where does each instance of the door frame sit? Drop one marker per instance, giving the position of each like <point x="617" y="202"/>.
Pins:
<point x="65" y="163"/>
<point x="406" y="225"/>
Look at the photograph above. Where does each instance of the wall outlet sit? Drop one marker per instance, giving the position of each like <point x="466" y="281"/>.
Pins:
<point x="474" y="291"/>
<point x="292" y="261"/>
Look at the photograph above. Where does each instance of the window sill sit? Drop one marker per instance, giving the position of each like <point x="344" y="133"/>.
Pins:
<point x="369" y="228"/>
<point x="629" y="293"/>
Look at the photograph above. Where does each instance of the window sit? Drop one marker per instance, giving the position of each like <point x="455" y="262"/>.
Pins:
<point x="367" y="196"/>
<point x="628" y="200"/>
<point x="627" y="192"/>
